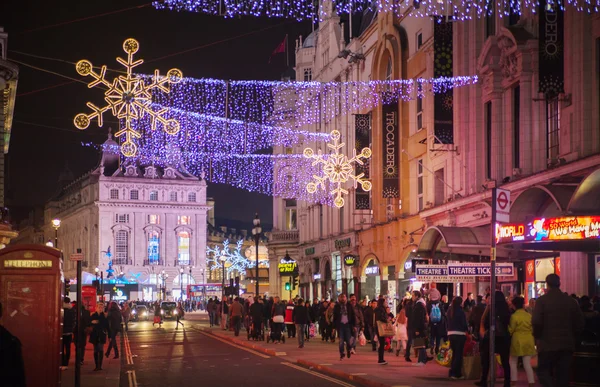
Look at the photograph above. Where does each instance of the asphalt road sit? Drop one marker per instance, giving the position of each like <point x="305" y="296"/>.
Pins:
<point x="187" y="357"/>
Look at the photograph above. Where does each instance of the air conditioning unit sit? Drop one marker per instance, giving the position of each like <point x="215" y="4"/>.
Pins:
<point x="516" y="172"/>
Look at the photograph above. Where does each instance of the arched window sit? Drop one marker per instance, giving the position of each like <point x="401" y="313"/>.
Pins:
<point x="173" y="196"/>
<point x="114" y="193"/>
<point x="153" y="248"/>
<point x="153" y="195"/>
<point x="183" y="248"/>
<point x="192" y="197"/>
<point x="121" y="247"/>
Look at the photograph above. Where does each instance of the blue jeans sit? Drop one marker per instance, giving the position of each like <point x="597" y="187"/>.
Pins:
<point x="300" y="330"/>
<point x="345" y="335"/>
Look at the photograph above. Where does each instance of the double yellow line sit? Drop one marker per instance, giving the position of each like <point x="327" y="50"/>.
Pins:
<point x="128" y="355"/>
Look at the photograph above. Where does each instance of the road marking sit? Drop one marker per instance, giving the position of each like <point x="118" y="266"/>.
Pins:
<point x="325" y="364"/>
<point x="333" y="380"/>
<point x="280" y="353"/>
<point x="358" y="374"/>
<point x="132" y="379"/>
<point x="127" y="349"/>
<point x="235" y="345"/>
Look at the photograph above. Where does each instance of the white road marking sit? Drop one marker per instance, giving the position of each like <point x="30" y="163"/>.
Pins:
<point x="280" y="353"/>
<point x="235" y="345"/>
<point x="132" y="378"/>
<point x="333" y="380"/>
<point x="358" y="374"/>
<point x="325" y="364"/>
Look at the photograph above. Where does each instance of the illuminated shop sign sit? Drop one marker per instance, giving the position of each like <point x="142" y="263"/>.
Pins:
<point x="317" y="276"/>
<point x="510" y="232"/>
<point x="349" y="260"/>
<point x="372" y="270"/>
<point x="27" y="264"/>
<point x="287" y="267"/>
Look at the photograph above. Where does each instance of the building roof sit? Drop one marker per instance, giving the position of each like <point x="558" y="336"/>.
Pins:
<point x="311" y="40"/>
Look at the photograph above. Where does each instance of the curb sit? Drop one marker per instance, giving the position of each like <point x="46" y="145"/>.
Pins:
<point x="310" y="365"/>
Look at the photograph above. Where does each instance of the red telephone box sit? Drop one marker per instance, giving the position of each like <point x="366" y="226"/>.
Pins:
<point x="88" y="295"/>
<point x="31" y="291"/>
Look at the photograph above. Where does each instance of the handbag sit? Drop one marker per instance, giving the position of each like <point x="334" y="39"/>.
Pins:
<point x="419" y="342"/>
<point x="278" y="319"/>
<point x="362" y="340"/>
<point x="385" y="329"/>
<point x="471" y="368"/>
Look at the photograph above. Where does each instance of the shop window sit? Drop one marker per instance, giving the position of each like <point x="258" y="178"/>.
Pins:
<point x="290" y="215"/>
<point x="114" y="193"/>
<point x="134" y="194"/>
<point x="121" y="247"/>
<point x="183" y="248"/>
<point x="153" y="196"/>
<point x="153" y="248"/>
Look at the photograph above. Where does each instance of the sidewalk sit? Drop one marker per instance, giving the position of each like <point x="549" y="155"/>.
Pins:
<point x="108" y="377"/>
<point x="361" y="368"/>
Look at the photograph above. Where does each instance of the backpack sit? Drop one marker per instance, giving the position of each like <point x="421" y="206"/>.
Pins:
<point x="436" y="314"/>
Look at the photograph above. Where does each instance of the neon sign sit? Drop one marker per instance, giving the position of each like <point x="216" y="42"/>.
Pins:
<point x="510" y="232"/>
<point x="550" y="229"/>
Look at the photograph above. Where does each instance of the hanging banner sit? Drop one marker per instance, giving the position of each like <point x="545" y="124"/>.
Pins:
<point x="362" y="135"/>
<point x="551" y="49"/>
<point x="442" y="58"/>
<point x="391" y="151"/>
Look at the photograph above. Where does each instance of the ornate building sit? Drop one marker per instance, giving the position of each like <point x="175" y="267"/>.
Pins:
<point x="136" y="224"/>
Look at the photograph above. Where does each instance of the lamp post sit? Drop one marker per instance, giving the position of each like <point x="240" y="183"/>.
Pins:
<point x="56" y="225"/>
<point x="96" y="273"/>
<point x="163" y="277"/>
<point x="223" y="258"/>
<point x="256" y="231"/>
<point x="181" y="284"/>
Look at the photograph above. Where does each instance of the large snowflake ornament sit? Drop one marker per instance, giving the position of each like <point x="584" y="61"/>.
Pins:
<point x="338" y="169"/>
<point x="128" y="97"/>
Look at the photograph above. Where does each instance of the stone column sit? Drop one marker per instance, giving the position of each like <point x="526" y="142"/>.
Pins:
<point x="274" y="285"/>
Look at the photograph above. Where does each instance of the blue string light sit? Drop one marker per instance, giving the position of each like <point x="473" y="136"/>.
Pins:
<point x="235" y="261"/>
<point x="308" y="9"/>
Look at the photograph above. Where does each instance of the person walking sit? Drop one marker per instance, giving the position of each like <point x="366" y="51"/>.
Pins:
<point x="180" y="314"/>
<point x="114" y="325"/>
<point x="211" y="313"/>
<point x="69" y="320"/>
<point x="301" y="319"/>
<point x="126" y="313"/>
<point x="417" y="324"/>
<point x="12" y="368"/>
<point x="322" y="319"/>
<point x="344" y="321"/>
<point x="557" y="322"/>
<point x="370" y="324"/>
<point x="330" y="329"/>
<point x="157" y="315"/>
<point x="380" y="315"/>
<point x="359" y="322"/>
<point x="278" y="320"/>
<point x="289" y="321"/>
<point x="457" y="333"/>
<point x="408" y="307"/>
<point x="400" y="330"/>
<point x="437" y="317"/>
<point x="502" y="339"/>
<point x="522" y="343"/>
<point x="99" y="334"/>
<point x="236" y="311"/>
<point x="83" y="332"/>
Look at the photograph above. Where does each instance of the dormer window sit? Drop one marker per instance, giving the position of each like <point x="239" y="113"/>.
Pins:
<point x="134" y="194"/>
<point x="192" y="197"/>
<point x="114" y="194"/>
<point x="173" y="196"/>
<point x="153" y="196"/>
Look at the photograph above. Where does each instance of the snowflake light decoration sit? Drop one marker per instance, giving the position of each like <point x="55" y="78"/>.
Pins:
<point x="338" y="169"/>
<point x="128" y="97"/>
<point x="234" y="258"/>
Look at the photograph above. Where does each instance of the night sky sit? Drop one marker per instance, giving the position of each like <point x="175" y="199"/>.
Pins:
<point x="44" y="139"/>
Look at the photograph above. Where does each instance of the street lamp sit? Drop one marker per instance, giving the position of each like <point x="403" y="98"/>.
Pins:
<point x="223" y="258"/>
<point x="100" y="274"/>
<point x="49" y="243"/>
<point x="163" y="277"/>
<point x="181" y="284"/>
<point x="256" y="231"/>
<point x="56" y="225"/>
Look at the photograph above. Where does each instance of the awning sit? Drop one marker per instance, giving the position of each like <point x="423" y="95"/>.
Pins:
<point x="465" y="243"/>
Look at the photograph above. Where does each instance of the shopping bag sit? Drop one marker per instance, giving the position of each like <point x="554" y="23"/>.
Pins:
<point x="312" y="331"/>
<point x="419" y="342"/>
<point x="385" y="329"/>
<point x="444" y="356"/>
<point x="499" y="369"/>
<point x="471" y="369"/>
<point x="362" y="340"/>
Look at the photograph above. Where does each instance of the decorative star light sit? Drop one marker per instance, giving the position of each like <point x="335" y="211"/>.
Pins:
<point x="129" y="97"/>
<point x="338" y="169"/>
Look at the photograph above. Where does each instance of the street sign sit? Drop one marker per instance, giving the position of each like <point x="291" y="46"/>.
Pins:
<point x="502" y="205"/>
<point x="480" y="269"/>
<point x="439" y="273"/>
<point x="76" y="257"/>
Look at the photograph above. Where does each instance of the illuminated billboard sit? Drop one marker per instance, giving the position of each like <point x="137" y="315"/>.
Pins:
<point x="550" y="229"/>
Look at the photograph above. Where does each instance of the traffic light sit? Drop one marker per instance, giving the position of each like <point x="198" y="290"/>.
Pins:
<point x="295" y="283"/>
<point x="288" y="286"/>
<point x="67" y="287"/>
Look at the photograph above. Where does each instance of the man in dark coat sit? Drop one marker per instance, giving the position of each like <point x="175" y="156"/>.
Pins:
<point x="300" y="317"/>
<point x="417" y="323"/>
<point x="557" y="322"/>
<point x="69" y="319"/>
<point x="370" y="324"/>
<point x="344" y="321"/>
<point x="408" y="312"/>
<point x="114" y="324"/>
<point x="12" y="369"/>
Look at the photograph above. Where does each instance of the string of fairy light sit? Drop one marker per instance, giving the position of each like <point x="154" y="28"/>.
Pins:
<point x="319" y="10"/>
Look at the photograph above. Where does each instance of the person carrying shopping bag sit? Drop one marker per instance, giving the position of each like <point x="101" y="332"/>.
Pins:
<point x="522" y="343"/>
